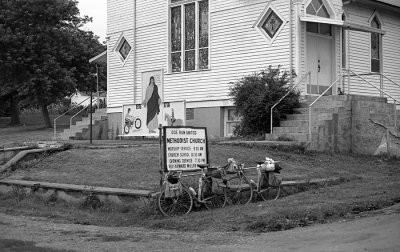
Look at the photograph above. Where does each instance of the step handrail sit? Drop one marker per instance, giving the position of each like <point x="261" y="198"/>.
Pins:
<point x="390" y="79"/>
<point x="95" y="99"/>
<point x="55" y="120"/>
<point x="319" y="97"/>
<point x="73" y="107"/>
<point x="272" y="108"/>
<point x="395" y="101"/>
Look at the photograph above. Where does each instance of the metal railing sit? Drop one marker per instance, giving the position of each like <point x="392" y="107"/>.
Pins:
<point x="395" y="101"/>
<point x="381" y="79"/>
<point x="95" y="99"/>
<point x="381" y="74"/>
<point x="319" y="97"/>
<point x="73" y="107"/>
<point x="272" y="108"/>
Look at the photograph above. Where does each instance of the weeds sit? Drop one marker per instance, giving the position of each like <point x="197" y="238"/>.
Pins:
<point x="18" y="193"/>
<point x="91" y="201"/>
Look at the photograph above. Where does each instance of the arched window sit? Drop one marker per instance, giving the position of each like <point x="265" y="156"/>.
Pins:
<point x="317" y="8"/>
<point x="375" y="46"/>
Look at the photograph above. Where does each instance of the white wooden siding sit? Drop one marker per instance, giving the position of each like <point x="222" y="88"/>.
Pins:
<point x="360" y="51"/>
<point x="119" y="15"/>
<point x="236" y="49"/>
<point x="120" y="18"/>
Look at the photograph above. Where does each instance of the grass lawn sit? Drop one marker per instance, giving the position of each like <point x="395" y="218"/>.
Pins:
<point x="138" y="167"/>
<point x="15" y="136"/>
<point x="374" y="183"/>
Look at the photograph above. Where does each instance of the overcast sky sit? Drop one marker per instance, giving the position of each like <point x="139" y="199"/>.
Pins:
<point x="97" y="9"/>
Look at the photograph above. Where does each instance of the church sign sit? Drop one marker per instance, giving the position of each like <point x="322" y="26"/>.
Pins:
<point x="184" y="148"/>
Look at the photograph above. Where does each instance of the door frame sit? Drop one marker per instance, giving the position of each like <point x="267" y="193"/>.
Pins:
<point x="333" y="37"/>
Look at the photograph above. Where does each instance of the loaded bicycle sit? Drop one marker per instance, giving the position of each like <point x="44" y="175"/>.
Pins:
<point x="241" y="189"/>
<point x="177" y="198"/>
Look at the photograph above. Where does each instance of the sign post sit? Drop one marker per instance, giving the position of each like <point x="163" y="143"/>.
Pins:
<point x="184" y="148"/>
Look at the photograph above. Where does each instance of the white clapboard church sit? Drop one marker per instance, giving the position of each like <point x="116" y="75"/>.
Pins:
<point x="194" y="49"/>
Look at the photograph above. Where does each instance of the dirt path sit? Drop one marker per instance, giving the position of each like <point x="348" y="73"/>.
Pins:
<point x="377" y="232"/>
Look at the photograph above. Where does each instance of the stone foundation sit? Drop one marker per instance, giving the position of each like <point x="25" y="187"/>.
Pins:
<point x="352" y="124"/>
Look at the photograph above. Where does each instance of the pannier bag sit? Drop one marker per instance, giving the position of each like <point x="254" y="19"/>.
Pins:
<point x="264" y="180"/>
<point x="231" y="167"/>
<point x="173" y="190"/>
<point x="269" y="179"/>
<point x="217" y="186"/>
<point x="215" y="173"/>
<point x="273" y="180"/>
<point x="207" y="187"/>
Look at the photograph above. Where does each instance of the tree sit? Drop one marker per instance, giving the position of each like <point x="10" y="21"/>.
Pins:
<point x="255" y="94"/>
<point x="44" y="52"/>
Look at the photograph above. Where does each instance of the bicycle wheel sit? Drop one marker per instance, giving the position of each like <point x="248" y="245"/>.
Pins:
<point x="138" y="123"/>
<point x="239" y="191"/>
<point x="126" y="128"/>
<point x="175" y="206"/>
<point x="270" y="193"/>
<point x="212" y="200"/>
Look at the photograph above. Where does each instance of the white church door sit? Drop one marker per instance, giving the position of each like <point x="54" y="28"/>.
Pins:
<point x="320" y="57"/>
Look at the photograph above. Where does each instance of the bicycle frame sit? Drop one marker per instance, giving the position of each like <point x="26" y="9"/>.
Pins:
<point x="203" y="179"/>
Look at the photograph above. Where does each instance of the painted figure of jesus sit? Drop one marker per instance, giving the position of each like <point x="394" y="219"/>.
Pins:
<point x="152" y="102"/>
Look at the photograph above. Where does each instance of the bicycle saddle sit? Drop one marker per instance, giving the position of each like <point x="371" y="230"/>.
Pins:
<point x="202" y="166"/>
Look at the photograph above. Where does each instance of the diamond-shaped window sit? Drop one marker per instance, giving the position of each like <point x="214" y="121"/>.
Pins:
<point x="124" y="49"/>
<point x="272" y="24"/>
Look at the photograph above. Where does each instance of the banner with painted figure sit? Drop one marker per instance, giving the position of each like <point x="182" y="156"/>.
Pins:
<point x="134" y="119"/>
<point x="144" y="119"/>
<point x="174" y="113"/>
<point x="152" y="97"/>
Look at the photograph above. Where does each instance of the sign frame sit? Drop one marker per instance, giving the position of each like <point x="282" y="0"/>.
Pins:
<point x="164" y="139"/>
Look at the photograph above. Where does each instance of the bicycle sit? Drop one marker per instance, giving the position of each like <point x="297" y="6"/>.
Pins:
<point x="268" y="186"/>
<point x="130" y="122"/>
<point x="241" y="189"/>
<point x="182" y="198"/>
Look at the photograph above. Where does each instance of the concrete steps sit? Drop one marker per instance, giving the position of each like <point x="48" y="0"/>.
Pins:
<point x="76" y="131"/>
<point x="296" y="128"/>
<point x="296" y="137"/>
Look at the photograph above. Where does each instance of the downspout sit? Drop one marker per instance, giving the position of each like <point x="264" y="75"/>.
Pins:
<point x="134" y="53"/>
<point x="290" y="43"/>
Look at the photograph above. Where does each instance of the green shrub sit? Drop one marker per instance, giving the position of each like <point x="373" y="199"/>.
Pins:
<point x="255" y="94"/>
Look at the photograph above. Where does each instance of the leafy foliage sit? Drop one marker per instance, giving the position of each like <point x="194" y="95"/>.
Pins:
<point x="43" y="52"/>
<point x="255" y="94"/>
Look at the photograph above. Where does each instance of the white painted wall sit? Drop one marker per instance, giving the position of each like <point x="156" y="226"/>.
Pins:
<point x="360" y="50"/>
<point x="236" y="49"/>
<point x="120" y="18"/>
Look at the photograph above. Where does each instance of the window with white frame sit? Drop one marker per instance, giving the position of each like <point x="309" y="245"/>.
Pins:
<point x="232" y="121"/>
<point x="270" y="23"/>
<point x="189" y="35"/>
<point x="123" y="48"/>
<point x="317" y="8"/>
<point x="375" y="46"/>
